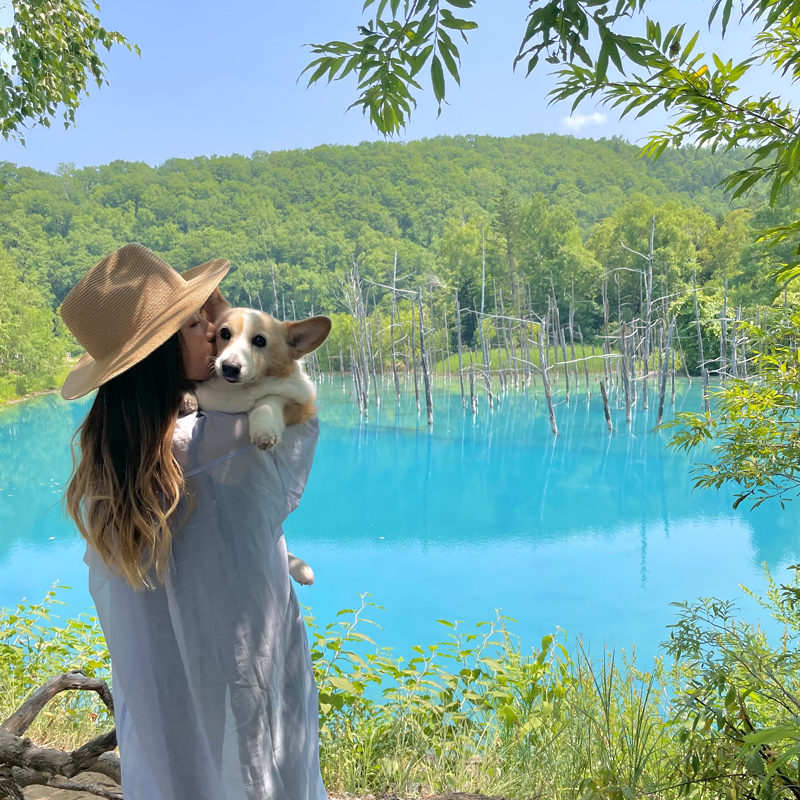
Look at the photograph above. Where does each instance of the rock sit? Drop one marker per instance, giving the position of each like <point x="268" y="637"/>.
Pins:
<point x="48" y="793"/>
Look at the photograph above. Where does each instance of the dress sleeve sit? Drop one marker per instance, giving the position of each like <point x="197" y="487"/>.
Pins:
<point x="208" y="438"/>
<point x="294" y="456"/>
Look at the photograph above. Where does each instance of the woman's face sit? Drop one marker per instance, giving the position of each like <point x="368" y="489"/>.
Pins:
<point x="199" y="347"/>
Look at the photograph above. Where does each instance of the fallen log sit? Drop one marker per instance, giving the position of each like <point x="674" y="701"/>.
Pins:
<point x="23" y="763"/>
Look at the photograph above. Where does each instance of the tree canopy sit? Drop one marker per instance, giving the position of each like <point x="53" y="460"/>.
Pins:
<point x="48" y="57"/>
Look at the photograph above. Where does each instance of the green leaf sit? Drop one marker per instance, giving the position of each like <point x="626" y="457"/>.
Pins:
<point x="771" y="735"/>
<point x="437" y="79"/>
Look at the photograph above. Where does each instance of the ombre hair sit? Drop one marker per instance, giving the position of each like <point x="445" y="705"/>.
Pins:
<point x="126" y="484"/>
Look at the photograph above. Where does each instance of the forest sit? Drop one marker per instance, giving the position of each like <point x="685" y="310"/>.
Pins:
<point x="544" y="216"/>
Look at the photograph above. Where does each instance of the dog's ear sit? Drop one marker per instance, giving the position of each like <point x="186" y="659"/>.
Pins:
<point x="306" y="336"/>
<point x="215" y="306"/>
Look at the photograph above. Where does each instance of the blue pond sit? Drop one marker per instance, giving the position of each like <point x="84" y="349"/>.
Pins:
<point x="592" y="532"/>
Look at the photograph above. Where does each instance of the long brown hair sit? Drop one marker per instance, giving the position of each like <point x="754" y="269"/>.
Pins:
<point x="126" y="484"/>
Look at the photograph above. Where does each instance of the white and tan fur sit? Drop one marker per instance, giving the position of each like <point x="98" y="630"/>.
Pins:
<point x="258" y="370"/>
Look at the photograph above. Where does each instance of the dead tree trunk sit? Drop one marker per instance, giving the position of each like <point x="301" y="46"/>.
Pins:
<point x="274" y="292"/>
<point x="625" y="382"/>
<point x="606" y="409"/>
<point x="585" y="364"/>
<point x="23" y="764"/>
<point x="394" y="353"/>
<point x="460" y="359"/>
<point x="425" y="376"/>
<point x="487" y="365"/>
<point x="414" y="356"/>
<point x="723" y="343"/>
<point x="697" y="321"/>
<point x="543" y="366"/>
<point x="664" y="371"/>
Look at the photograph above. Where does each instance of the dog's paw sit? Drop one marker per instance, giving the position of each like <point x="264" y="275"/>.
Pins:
<point x="264" y="440"/>
<point x="300" y="571"/>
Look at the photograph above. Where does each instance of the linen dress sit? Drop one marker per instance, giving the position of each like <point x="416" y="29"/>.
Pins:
<point x="213" y="684"/>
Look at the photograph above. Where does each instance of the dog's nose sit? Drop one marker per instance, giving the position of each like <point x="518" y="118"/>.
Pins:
<point x="230" y="370"/>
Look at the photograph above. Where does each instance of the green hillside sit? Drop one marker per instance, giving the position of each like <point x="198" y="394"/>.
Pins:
<point x="552" y="210"/>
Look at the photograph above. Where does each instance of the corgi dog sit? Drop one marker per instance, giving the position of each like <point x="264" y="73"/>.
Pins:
<point x="258" y="370"/>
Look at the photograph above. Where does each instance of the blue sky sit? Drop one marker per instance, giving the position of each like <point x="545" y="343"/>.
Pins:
<point x="218" y="78"/>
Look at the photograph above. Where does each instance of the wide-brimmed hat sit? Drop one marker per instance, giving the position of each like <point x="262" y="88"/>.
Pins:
<point x="127" y="306"/>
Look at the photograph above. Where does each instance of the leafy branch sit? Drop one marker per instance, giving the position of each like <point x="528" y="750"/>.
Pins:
<point x="404" y="37"/>
<point x="755" y="428"/>
<point x="52" y="52"/>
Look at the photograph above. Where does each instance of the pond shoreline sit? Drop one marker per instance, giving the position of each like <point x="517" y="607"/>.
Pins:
<point x="30" y="396"/>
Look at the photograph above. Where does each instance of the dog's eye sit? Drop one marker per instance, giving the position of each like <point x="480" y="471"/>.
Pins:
<point x="259" y="341"/>
<point x="224" y="334"/>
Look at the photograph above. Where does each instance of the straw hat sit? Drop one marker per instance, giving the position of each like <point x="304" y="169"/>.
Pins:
<point x="127" y="306"/>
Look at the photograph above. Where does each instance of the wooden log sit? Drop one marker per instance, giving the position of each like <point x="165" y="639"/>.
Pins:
<point x="22" y="763"/>
<point x="460" y="359"/>
<point x="566" y="364"/>
<point x="423" y="357"/>
<point x="606" y="409"/>
<point x="341" y="366"/>
<point x="706" y="400"/>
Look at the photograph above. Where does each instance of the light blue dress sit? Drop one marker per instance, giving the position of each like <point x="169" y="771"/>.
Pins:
<point x="212" y="677"/>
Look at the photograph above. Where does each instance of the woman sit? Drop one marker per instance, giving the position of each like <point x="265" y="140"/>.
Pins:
<point x="213" y="683"/>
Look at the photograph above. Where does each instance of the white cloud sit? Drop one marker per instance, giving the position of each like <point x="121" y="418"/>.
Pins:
<point x="578" y="121"/>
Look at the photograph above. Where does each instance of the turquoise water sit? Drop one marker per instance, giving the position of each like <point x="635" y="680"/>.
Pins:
<point x="592" y="532"/>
